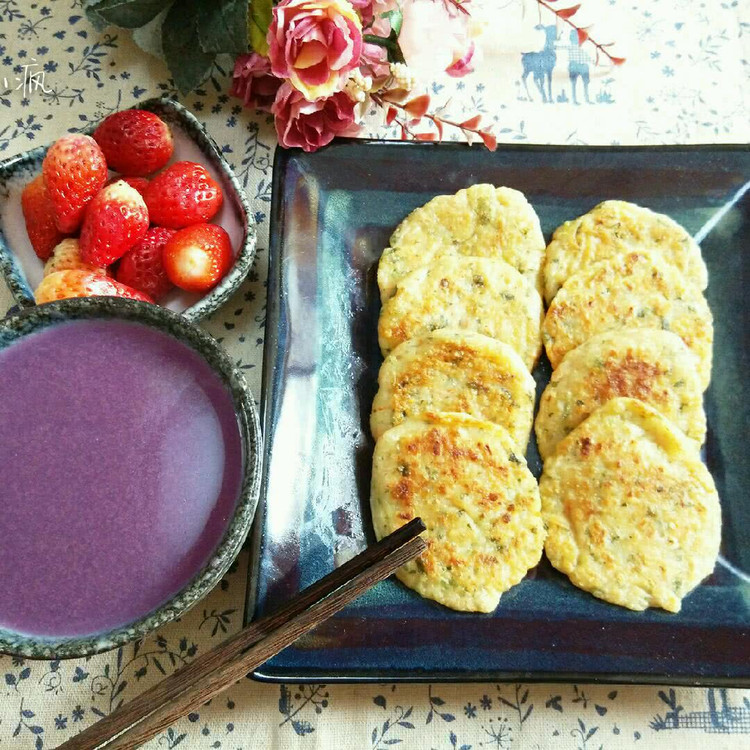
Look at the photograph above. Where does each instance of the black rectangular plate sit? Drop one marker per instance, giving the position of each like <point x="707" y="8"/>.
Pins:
<point x="332" y="214"/>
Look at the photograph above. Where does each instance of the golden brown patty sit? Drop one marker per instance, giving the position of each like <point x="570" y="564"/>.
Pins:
<point x="632" y="514"/>
<point x="613" y="228"/>
<point x="480" y="504"/>
<point x="471" y="294"/>
<point x="633" y="291"/>
<point x="481" y="220"/>
<point x="455" y="371"/>
<point x="650" y="365"/>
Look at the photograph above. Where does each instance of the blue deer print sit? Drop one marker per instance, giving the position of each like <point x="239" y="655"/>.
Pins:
<point x="722" y="717"/>
<point x="541" y="64"/>
<point x="578" y="67"/>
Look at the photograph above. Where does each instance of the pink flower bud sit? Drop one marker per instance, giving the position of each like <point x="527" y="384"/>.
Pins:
<point x="253" y="82"/>
<point x="312" y="124"/>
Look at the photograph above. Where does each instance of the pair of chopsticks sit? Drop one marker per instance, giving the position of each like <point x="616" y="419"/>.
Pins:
<point x="201" y="680"/>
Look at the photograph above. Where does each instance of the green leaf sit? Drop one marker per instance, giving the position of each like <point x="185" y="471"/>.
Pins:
<point x="222" y="26"/>
<point x="96" y="20"/>
<point x="186" y="60"/>
<point x="130" y="14"/>
<point x="396" y="18"/>
<point x="148" y="37"/>
<point x="395" y="55"/>
<point x="257" y="24"/>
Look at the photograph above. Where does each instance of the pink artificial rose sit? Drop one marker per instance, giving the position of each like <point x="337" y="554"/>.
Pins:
<point x="315" y="44"/>
<point x="312" y="124"/>
<point x="374" y="61"/>
<point x="253" y="82"/>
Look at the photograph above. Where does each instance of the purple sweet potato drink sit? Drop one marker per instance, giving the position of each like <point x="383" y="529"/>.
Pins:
<point x="121" y="464"/>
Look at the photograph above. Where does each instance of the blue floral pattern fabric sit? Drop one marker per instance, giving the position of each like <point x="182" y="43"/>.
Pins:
<point x="685" y="81"/>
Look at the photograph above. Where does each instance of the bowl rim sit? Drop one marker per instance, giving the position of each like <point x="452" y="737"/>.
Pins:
<point x="171" y="110"/>
<point x="40" y="317"/>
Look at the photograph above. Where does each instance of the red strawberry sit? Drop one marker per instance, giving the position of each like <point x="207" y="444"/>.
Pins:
<point x="40" y="223"/>
<point x="135" y="142"/>
<point x="115" y="220"/>
<point x="142" y="267"/>
<point x="74" y="171"/>
<point x="77" y="283"/>
<point x="183" y="194"/>
<point x="197" y="257"/>
<point x="139" y="183"/>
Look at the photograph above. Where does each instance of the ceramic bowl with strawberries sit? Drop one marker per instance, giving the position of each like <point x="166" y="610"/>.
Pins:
<point x="143" y="206"/>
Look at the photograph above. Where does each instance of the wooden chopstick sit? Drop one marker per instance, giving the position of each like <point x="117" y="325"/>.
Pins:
<point x="192" y="686"/>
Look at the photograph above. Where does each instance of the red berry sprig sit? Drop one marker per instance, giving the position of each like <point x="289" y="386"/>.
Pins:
<point x="417" y="109"/>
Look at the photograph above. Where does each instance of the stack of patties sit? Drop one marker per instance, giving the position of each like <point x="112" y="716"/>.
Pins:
<point x="460" y="332"/>
<point x="631" y="512"/>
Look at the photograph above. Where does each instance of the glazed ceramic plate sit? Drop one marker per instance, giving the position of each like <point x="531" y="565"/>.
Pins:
<point x="23" y="270"/>
<point x="332" y="215"/>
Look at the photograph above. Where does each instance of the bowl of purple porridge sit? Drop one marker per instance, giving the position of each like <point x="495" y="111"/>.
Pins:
<point x="130" y="452"/>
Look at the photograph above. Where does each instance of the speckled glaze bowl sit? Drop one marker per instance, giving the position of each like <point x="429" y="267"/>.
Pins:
<point x="23" y="270"/>
<point x="42" y="317"/>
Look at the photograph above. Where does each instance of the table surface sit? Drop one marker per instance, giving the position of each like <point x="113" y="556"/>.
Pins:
<point x="685" y="81"/>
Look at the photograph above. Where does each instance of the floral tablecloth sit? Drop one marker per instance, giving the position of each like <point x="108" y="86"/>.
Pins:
<point x="685" y="81"/>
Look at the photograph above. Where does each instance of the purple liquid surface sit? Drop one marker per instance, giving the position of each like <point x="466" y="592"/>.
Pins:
<point x="121" y="467"/>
